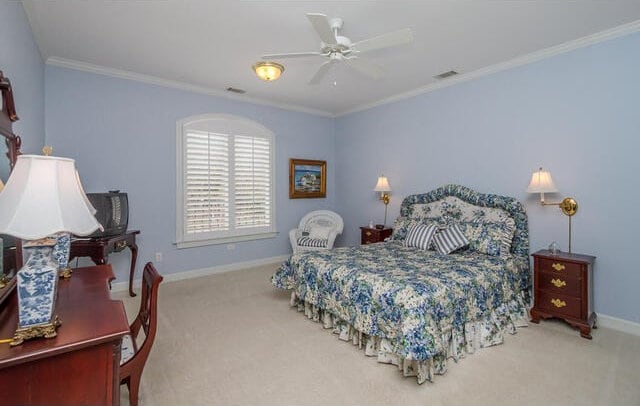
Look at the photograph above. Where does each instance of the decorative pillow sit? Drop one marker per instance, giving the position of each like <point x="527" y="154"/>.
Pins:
<point x="420" y="235"/>
<point x="449" y="239"/>
<point x="312" y="242"/>
<point x="400" y="228"/>
<point x="319" y="233"/>
<point x="488" y="237"/>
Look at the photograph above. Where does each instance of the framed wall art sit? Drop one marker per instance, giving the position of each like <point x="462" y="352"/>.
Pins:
<point x="307" y="178"/>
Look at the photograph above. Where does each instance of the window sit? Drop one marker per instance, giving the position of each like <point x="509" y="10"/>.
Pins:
<point x="225" y="180"/>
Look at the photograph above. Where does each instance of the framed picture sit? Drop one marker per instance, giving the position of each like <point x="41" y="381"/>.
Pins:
<point x="307" y="178"/>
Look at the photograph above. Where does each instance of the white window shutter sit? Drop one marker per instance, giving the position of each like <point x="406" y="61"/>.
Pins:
<point x="226" y="188"/>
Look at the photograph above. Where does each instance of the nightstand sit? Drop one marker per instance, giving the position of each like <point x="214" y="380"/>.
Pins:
<point x="563" y="288"/>
<point x="370" y="235"/>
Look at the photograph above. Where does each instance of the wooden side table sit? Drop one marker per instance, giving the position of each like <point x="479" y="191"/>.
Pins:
<point x="99" y="248"/>
<point x="370" y="235"/>
<point x="563" y="288"/>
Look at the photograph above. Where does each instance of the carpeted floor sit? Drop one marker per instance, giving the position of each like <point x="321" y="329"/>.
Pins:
<point x="232" y="339"/>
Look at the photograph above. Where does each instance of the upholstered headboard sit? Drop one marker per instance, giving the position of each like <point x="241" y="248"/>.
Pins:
<point x="488" y="206"/>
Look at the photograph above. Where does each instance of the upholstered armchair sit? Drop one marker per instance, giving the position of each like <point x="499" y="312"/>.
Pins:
<point x="317" y="231"/>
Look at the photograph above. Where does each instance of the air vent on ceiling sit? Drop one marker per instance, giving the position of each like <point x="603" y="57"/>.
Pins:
<point x="446" y="74"/>
<point x="236" y="90"/>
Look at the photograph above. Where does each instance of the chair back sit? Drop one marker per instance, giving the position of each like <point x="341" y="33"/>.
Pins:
<point x="147" y="320"/>
<point x="322" y="218"/>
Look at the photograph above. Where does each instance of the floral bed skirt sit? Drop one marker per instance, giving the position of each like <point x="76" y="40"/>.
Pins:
<point x="476" y="335"/>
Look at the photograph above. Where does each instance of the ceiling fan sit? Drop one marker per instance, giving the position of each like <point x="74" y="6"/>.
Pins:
<point x="337" y="48"/>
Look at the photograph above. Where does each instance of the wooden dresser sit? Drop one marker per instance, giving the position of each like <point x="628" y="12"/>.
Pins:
<point x="79" y="366"/>
<point x="370" y="235"/>
<point x="563" y="288"/>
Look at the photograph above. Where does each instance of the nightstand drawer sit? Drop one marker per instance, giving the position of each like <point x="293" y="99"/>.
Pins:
<point x="556" y="283"/>
<point x="559" y="267"/>
<point x="559" y="304"/>
<point x="373" y="235"/>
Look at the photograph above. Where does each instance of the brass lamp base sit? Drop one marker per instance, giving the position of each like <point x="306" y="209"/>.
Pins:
<point x="569" y="206"/>
<point x="46" y="330"/>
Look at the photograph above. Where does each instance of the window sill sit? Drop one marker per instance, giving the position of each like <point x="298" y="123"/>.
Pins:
<point x="225" y="240"/>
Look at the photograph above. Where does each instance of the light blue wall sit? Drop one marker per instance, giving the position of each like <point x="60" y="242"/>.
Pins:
<point x="123" y="136"/>
<point x="20" y="61"/>
<point x="576" y="114"/>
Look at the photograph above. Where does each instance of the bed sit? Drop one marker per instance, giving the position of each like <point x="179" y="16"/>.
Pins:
<point x="418" y="308"/>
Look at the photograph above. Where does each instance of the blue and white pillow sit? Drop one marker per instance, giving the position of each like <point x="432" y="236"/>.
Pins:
<point x="449" y="239"/>
<point x="420" y="235"/>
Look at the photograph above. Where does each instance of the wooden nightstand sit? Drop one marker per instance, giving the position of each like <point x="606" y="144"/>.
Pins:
<point x="563" y="288"/>
<point x="370" y="235"/>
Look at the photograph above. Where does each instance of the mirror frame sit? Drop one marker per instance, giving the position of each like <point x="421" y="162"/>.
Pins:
<point x="8" y="116"/>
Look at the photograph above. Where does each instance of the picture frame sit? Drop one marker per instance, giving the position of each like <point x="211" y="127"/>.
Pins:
<point x="307" y="178"/>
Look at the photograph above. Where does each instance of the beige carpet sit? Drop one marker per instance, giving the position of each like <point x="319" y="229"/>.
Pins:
<point x="232" y="339"/>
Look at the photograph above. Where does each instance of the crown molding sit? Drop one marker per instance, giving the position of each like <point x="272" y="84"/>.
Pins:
<point x="569" y="46"/>
<point x="154" y="80"/>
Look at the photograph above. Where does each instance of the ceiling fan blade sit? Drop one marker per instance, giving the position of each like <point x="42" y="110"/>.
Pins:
<point x="322" y="70"/>
<point x="291" y="55"/>
<point x="390" y="39"/>
<point x="322" y="27"/>
<point x="366" y="68"/>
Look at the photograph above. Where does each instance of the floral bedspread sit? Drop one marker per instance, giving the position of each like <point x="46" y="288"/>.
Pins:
<point x="414" y="299"/>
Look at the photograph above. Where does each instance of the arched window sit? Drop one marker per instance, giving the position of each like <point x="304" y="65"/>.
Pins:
<point x="225" y="180"/>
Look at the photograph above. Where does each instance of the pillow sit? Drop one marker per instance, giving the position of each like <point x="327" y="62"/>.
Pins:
<point x="319" y="233"/>
<point x="400" y="228"/>
<point x="449" y="239"/>
<point x="420" y="235"/>
<point x="488" y="237"/>
<point x="312" y="242"/>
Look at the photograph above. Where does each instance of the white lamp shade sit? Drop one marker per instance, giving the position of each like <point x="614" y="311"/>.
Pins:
<point x="541" y="182"/>
<point x="43" y="196"/>
<point x="382" y="185"/>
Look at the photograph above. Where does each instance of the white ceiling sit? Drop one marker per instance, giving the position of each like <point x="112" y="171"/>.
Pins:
<point x="213" y="44"/>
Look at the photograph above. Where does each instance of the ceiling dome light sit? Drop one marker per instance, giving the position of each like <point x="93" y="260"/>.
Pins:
<point x="268" y="71"/>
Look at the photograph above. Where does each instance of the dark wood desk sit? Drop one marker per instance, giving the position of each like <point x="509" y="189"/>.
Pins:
<point x="99" y="248"/>
<point x="79" y="366"/>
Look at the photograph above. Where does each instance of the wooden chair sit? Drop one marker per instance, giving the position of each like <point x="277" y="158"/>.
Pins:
<point x="133" y="356"/>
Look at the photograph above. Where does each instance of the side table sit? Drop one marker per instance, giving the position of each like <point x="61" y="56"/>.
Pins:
<point x="370" y="235"/>
<point x="99" y="248"/>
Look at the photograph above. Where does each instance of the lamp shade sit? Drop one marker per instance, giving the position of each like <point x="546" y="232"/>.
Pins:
<point x="43" y="196"/>
<point x="382" y="185"/>
<point x="541" y="182"/>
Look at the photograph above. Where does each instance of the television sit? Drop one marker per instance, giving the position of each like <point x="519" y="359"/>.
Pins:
<point x="112" y="211"/>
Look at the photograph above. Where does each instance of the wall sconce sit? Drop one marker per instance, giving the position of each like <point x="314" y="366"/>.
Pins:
<point x="383" y="187"/>
<point x="541" y="182"/>
<point x="268" y="71"/>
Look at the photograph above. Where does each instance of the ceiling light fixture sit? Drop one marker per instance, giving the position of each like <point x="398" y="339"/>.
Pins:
<point x="268" y="71"/>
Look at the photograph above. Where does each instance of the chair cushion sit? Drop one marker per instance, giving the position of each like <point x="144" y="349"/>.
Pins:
<point x="312" y="242"/>
<point x="127" y="350"/>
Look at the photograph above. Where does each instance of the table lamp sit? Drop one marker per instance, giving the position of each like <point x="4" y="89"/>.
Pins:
<point x="541" y="182"/>
<point x="42" y="203"/>
<point x="384" y="188"/>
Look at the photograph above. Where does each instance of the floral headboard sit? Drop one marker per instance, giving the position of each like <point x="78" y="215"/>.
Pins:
<point x="480" y="205"/>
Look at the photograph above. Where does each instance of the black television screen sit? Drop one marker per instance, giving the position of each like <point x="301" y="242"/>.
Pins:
<point x="112" y="211"/>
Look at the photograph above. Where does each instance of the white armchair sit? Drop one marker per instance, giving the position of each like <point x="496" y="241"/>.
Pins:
<point x="317" y="231"/>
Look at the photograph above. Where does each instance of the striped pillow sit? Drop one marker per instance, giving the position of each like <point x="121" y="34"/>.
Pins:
<point x="450" y="239"/>
<point x="420" y="235"/>
<point x="312" y="242"/>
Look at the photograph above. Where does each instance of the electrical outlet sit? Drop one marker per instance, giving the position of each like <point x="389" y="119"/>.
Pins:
<point x="231" y="247"/>
<point x="158" y="256"/>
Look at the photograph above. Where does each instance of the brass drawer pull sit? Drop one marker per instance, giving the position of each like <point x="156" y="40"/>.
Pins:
<point x="558" y="267"/>
<point x="558" y="283"/>
<point x="368" y="233"/>
<point x="558" y="302"/>
<point x="120" y="245"/>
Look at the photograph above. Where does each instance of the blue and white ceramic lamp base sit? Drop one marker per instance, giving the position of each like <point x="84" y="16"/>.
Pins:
<point x="37" y="287"/>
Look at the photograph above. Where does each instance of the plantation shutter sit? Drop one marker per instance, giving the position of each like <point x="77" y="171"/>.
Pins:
<point x="252" y="159"/>
<point x="226" y="188"/>
<point x="206" y="182"/>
